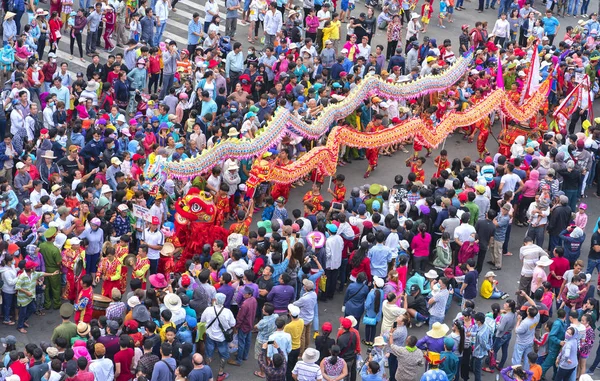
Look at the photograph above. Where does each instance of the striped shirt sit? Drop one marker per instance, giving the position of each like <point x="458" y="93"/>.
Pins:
<point x="307" y="372"/>
<point x="27" y="283"/>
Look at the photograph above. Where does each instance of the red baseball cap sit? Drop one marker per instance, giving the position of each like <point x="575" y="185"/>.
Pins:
<point x="155" y="220"/>
<point x="327" y="327"/>
<point x="462" y="197"/>
<point x="346" y="323"/>
<point x="12" y="248"/>
<point x="489" y="160"/>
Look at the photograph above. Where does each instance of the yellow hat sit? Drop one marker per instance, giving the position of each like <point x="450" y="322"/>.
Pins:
<point x="586" y="124"/>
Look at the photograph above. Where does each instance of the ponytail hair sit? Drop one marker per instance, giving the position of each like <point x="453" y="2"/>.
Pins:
<point x="335" y="352"/>
<point x="422" y="229"/>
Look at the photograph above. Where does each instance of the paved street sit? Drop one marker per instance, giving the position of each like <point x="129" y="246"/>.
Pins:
<point x="41" y="328"/>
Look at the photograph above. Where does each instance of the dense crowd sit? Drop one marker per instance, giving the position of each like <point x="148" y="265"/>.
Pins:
<point x="73" y="167"/>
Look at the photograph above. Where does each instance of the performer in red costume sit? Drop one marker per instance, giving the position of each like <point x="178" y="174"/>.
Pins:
<point x="195" y="225"/>
<point x="373" y="153"/>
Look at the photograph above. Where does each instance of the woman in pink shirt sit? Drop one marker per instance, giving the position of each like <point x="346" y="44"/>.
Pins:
<point x="312" y="23"/>
<point x="420" y="248"/>
<point x="530" y="188"/>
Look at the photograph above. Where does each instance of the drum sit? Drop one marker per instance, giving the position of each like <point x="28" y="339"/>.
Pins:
<point x="100" y="305"/>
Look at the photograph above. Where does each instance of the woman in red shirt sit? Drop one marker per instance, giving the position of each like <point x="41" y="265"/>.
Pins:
<point x="559" y="266"/>
<point x="123" y="359"/>
<point x="420" y="247"/>
<point x="31" y="169"/>
<point x="360" y="263"/>
<point x="55" y="25"/>
<point x="154" y="69"/>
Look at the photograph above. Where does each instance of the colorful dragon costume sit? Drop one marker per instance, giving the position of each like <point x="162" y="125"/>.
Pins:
<point x="195" y="225"/>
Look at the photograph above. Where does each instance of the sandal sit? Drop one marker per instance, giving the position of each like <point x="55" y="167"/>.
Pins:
<point x="22" y="330"/>
<point x="10" y="322"/>
<point x="258" y="374"/>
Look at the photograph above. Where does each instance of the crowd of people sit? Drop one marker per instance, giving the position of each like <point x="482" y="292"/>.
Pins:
<point x="75" y="151"/>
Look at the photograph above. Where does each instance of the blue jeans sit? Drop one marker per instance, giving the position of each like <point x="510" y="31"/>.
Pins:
<point x="520" y="352"/>
<point x="505" y="245"/>
<point x="563" y="374"/>
<point x="537" y="234"/>
<point x="91" y="263"/>
<point x="7" y="305"/>
<point x="584" y="10"/>
<point x="209" y="347"/>
<point x="593" y="264"/>
<point x="159" y="32"/>
<point x="554" y="241"/>
<point x="502" y="343"/>
<point x="433" y="319"/>
<point x="168" y="80"/>
<point x="244" y="342"/>
<point x="477" y="364"/>
<point x="24" y="313"/>
<point x="496" y="295"/>
<point x="572" y="10"/>
<point x="343" y="276"/>
<point x="153" y="266"/>
<point x="573" y="196"/>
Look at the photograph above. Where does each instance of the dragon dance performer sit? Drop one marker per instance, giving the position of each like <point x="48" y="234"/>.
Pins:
<point x="121" y="251"/>
<point x="314" y="198"/>
<point x="84" y="304"/>
<point x="507" y="138"/>
<point x="109" y="271"/>
<point x="483" y="127"/>
<point x="418" y="141"/>
<point x="222" y="205"/>
<point x="372" y="154"/>
<point x="141" y="266"/>
<point x="279" y="189"/>
<point x="70" y="255"/>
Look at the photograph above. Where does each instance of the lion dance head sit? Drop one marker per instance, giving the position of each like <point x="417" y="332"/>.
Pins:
<point x="195" y="206"/>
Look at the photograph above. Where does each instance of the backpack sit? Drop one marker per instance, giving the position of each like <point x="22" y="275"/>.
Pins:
<point x="39" y="125"/>
<point x="16" y="5"/>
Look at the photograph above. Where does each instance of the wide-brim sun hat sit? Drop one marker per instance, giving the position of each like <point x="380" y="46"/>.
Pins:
<point x="438" y="330"/>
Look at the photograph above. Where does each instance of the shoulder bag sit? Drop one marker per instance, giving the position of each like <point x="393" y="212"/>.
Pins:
<point x="228" y="333"/>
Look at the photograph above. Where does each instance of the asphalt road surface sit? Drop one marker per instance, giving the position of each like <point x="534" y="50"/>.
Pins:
<point x="41" y="327"/>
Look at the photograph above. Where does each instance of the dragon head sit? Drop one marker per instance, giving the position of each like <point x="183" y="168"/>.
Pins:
<point x="196" y="205"/>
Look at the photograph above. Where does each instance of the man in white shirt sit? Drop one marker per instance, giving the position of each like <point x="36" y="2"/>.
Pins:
<point x="509" y="181"/>
<point x="102" y="368"/>
<point x="364" y="49"/>
<point x="272" y="24"/>
<point x="334" y="245"/>
<point x="323" y="15"/>
<point x="581" y="112"/>
<point x="36" y="195"/>
<point x="308" y="48"/>
<point x="48" y="112"/>
<point x="162" y="13"/>
<point x="155" y="239"/>
<point x="214" y="332"/>
<point x="464" y="232"/>
<point x="157" y="210"/>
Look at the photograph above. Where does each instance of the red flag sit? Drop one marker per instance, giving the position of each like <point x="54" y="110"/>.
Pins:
<point x="565" y="109"/>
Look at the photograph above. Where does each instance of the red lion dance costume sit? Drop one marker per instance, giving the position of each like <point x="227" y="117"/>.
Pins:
<point x="195" y="225"/>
